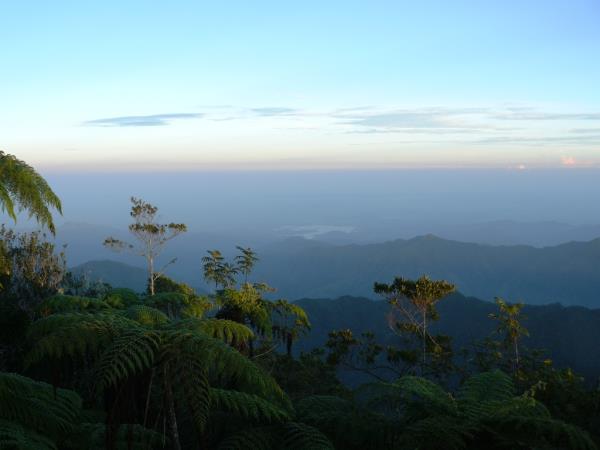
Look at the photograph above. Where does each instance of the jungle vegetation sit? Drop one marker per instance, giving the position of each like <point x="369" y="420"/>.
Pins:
<point x="84" y="365"/>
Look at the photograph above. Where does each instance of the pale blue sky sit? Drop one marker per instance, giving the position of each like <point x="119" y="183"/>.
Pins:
<point x="183" y="85"/>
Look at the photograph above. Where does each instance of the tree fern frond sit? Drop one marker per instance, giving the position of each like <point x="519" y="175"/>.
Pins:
<point x="346" y="425"/>
<point x="531" y="430"/>
<point x="247" y="406"/>
<point x="481" y="394"/>
<point x="225" y="364"/>
<point x="407" y="393"/>
<point x="37" y="406"/>
<point x="226" y="330"/>
<point x="299" y="436"/>
<point x="146" y="315"/>
<point x="92" y="436"/>
<point x="72" y="335"/>
<point x="69" y="303"/>
<point x="17" y="437"/>
<point x="130" y="353"/>
<point x="22" y="188"/>
<point x="252" y="438"/>
<point x="437" y="432"/>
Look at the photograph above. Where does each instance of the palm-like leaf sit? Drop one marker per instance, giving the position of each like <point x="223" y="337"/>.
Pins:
<point x="22" y="188"/>
<point x="38" y="412"/>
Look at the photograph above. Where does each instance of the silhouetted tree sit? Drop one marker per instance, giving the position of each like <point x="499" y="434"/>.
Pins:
<point x="415" y="302"/>
<point x="151" y="237"/>
<point x="509" y="324"/>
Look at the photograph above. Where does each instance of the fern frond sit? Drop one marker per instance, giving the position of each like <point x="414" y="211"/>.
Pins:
<point x="92" y="436"/>
<point x="37" y="406"/>
<point x="225" y="364"/>
<point x="346" y="425"/>
<point x="252" y="438"/>
<point x="531" y="431"/>
<point x="70" y="303"/>
<point x="72" y="335"/>
<point x="410" y="394"/>
<point x="299" y="436"/>
<point x="226" y="330"/>
<point x="130" y="353"/>
<point x="22" y="188"/>
<point x="247" y="406"/>
<point x="433" y="433"/>
<point x="14" y="436"/>
<point x="482" y="394"/>
<point x="146" y="315"/>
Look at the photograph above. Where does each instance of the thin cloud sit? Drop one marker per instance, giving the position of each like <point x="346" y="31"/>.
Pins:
<point x="548" y="116"/>
<point x="581" y="140"/>
<point x="585" y="130"/>
<point x="274" y="111"/>
<point x="153" y="120"/>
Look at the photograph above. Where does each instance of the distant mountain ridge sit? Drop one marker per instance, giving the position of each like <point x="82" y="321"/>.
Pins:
<point x="568" y="273"/>
<point x="115" y="273"/>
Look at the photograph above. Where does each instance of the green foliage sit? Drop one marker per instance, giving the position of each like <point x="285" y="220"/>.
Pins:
<point x="34" y="413"/>
<point x="32" y="270"/>
<point x="166" y="284"/>
<point x="146" y="315"/>
<point x="150" y="237"/>
<point x="22" y="188"/>
<point x="291" y="436"/>
<point x="121" y="298"/>
<point x="231" y="332"/>
<point x="413" y="308"/>
<point x="178" y="305"/>
<point x="69" y="303"/>
<point x="485" y="410"/>
<point x="247" y="406"/>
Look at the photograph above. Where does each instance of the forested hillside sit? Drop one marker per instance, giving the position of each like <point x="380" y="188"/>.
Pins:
<point x="569" y="335"/>
<point x="567" y="273"/>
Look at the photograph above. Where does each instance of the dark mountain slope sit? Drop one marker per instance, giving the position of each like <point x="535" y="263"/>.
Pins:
<point x="569" y="334"/>
<point x="568" y="273"/>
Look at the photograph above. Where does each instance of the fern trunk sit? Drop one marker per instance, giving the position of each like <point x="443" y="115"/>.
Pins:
<point x="171" y="416"/>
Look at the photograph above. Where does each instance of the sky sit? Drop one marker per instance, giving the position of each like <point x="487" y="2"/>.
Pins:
<point x="270" y="85"/>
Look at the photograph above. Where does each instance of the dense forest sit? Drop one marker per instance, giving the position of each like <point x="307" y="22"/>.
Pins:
<point x="86" y="365"/>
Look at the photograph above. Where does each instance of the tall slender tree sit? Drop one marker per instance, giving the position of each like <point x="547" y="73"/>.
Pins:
<point x="509" y="324"/>
<point x="150" y="235"/>
<point x="415" y="302"/>
<point x="23" y="189"/>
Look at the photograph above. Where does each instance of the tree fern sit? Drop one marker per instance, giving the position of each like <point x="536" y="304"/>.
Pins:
<point x="226" y="330"/>
<point x="73" y="335"/>
<point x="130" y="353"/>
<point x="253" y="438"/>
<point x="70" y="303"/>
<point x="22" y="188"/>
<point x="146" y="315"/>
<point x="249" y="407"/>
<point x="435" y="432"/>
<point x="34" y="414"/>
<point x="299" y="436"/>
<point x="17" y="437"/>
<point x="347" y="425"/>
<point x="482" y="394"/>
